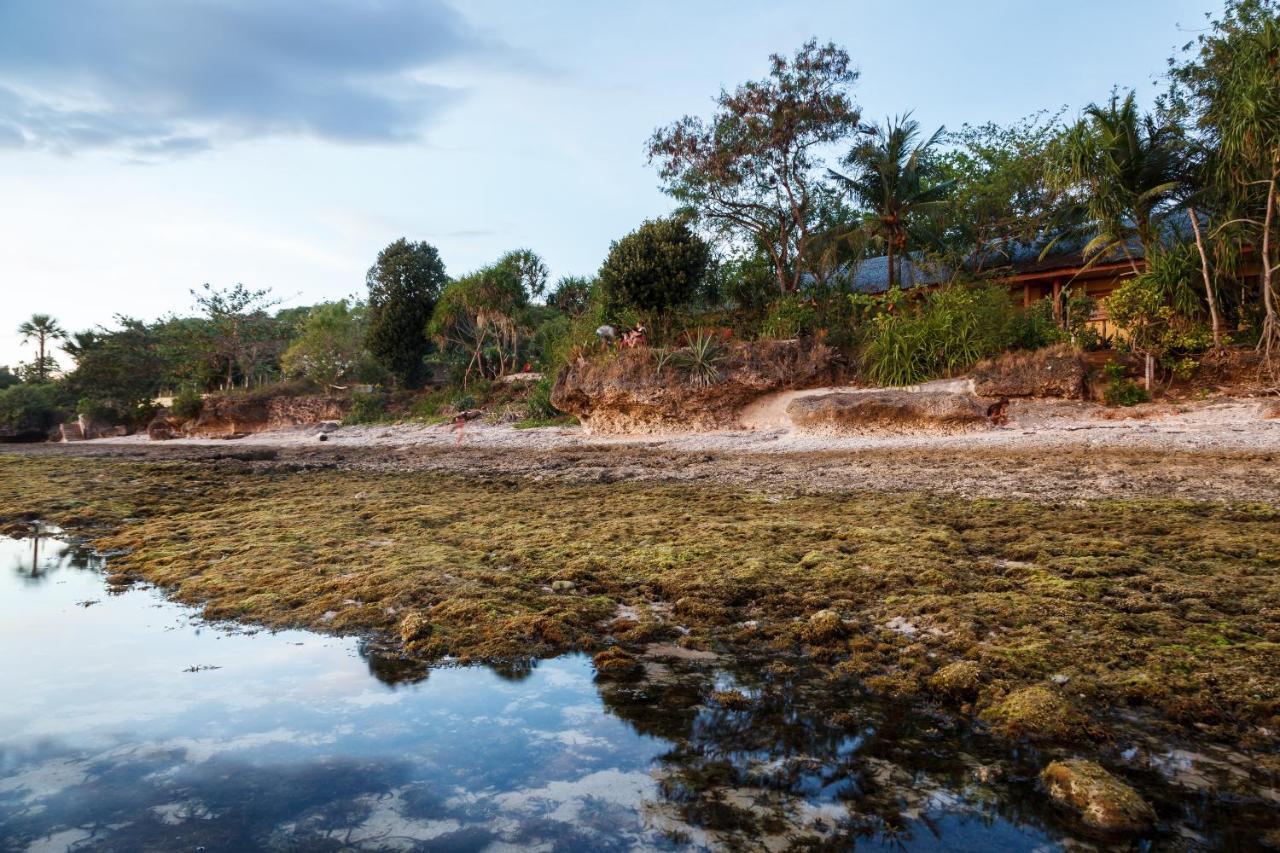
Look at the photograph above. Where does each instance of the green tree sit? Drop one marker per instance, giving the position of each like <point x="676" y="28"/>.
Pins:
<point x="242" y="335"/>
<point x="330" y="346"/>
<point x="1230" y="82"/>
<point x="893" y="177"/>
<point x="1126" y="169"/>
<point x="656" y="267"/>
<point x="480" y="318"/>
<point x="117" y="370"/>
<point x="753" y="173"/>
<point x="7" y="377"/>
<point x="404" y="285"/>
<point x="572" y="295"/>
<point x="42" y="329"/>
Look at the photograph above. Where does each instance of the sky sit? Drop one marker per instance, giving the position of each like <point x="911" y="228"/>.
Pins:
<point x="150" y="146"/>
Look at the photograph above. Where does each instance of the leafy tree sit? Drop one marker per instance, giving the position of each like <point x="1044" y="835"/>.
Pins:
<point x="7" y="377"/>
<point x="117" y="370"/>
<point x="1002" y="197"/>
<point x="572" y="295"/>
<point x="1126" y="168"/>
<point x="404" y="285"/>
<point x="659" y="265"/>
<point x="241" y="333"/>
<point x="330" y="347"/>
<point x="753" y="172"/>
<point x="528" y="268"/>
<point x="42" y="329"/>
<point x="894" y="178"/>
<point x="33" y="407"/>
<point x="480" y="318"/>
<point x="1230" y="82"/>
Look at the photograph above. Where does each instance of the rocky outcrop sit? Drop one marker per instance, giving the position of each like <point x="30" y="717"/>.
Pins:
<point x="223" y="416"/>
<point x="164" y="427"/>
<point x="888" y="411"/>
<point x="1100" y="800"/>
<point x="1056" y="371"/>
<point x="633" y="391"/>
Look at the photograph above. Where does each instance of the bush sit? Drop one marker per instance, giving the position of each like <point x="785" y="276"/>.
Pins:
<point x="790" y="317"/>
<point x="948" y="332"/>
<point x="367" y="408"/>
<point x="33" y="407"/>
<point x="187" y="404"/>
<point x="538" y="406"/>
<point x="656" y="267"/>
<point x="1120" y="390"/>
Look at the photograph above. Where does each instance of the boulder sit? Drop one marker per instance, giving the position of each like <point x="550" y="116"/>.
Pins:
<point x="888" y="411"/>
<point x="222" y="416"/>
<point x="1100" y="800"/>
<point x="1056" y="371"/>
<point x="637" y="391"/>
<point x="1038" y="713"/>
<point x="164" y="427"/>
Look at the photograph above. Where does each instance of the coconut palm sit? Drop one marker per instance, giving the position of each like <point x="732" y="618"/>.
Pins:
<point x="41" y="328"/>
<point x="891" y="177"/>
<point x="1129" y="168"/>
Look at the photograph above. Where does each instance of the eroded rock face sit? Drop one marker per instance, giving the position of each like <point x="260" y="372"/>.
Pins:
<point x="627" y="393"/>
<point x="1056" y="371"/>
<point x="888" y="411"/>
<point x="1099" y="799"/>
<point x="223" y="416"/>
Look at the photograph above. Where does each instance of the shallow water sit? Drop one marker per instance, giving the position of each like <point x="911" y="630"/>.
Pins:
<point x="127" y="723"/>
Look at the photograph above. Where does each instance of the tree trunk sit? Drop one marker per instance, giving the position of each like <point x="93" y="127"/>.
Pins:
<point x="40" y="366"/>
<point x="1149" y="369"/>
<point x="1209" y="293"/>
<point x="892" y="271"/>
<point x="1270" y="338"/>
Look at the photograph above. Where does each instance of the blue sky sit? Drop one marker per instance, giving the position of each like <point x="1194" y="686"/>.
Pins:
<point x="147" y="146"/>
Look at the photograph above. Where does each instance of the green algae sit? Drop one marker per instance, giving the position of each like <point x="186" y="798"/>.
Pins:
<point x="1171" y="606"/>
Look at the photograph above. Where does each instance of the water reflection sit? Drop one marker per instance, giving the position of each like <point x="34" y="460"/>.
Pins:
<point x="130" y="725"/>
<point x="44" y="553"/>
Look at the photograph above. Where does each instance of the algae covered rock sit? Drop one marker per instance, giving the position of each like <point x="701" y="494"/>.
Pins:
<point x="1038" y="713"/>
<point x="414" y="627"/>
<point x="614" y="663"/>
<point x="892" y="411"/>
<point x="1099" y="799"/>
<point x="960" y="679"/>
<point x="823" y="627"/>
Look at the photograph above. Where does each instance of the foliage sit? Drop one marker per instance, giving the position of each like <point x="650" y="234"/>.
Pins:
<point x="1124" y="168"/>
<point x="946" y="332"/>
<point x="1159" y="310"/>
<point x="121" y="369"/>
<point x="699" y="360"/>
<point x="367" y="407"/>
<point x="187" y="404"/>
<point x="656" y="267"/>
<point x="572" y="295"/>
<point x="7" y="377"/>
<point x="896" y="181"/>
<point x="789" y="317"/>
<point x="528" y="268"/>
<point x="240" y="332"/>
<point x="1002" y="197"/>
<point x="404" y="285"/>
<point x="753" y="172"/>
<point x="32" y="407"/>
<point x="538" y="406"/>
<point x="479" y="321"/>
<point x="330" y="346"/>
<point x="42" y="329"/>
<point x="1120" y="390"/>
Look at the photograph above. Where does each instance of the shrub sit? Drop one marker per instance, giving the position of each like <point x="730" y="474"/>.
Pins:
<point x="699" y="361"/>
<point x="538" y="406"/>
<point x="790" y="317"/>
<point x="33" y="407"/>
<point x="659" y="265"/>
<point x="367" y="408"/>
<point x="1120" y="390"/>
<point x="948" y="332"/>
<point x="187" y="404"/>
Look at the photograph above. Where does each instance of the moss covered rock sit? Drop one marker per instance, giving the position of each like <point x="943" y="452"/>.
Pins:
<point x="1038" y="713"/>
<point x="958" y="680"/>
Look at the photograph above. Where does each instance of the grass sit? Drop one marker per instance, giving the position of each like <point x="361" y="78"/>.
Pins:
<point x="1163" y="605"/>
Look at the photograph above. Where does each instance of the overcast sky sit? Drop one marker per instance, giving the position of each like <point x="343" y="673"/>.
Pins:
<point x="147" y="146"/>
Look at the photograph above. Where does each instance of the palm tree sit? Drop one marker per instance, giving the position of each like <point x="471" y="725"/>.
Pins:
<point x="42" y="328"/>
<point x="1129" y="167"/>
<point x="891" y="178"/>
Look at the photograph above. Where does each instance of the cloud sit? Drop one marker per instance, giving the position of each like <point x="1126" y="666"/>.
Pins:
<point x="159" y="78"/>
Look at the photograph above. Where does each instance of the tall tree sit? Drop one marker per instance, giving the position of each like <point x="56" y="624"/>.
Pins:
<point x="893" y="178"/>
<point x="1126" y="169"/>
<point x="1231" y="79"/>
<point x="754" y="170"/>
<point x="241" y="332"/>
<point x="659" y="265"/>
<point x="42" y="328"/>
<point x="404" y="286"/>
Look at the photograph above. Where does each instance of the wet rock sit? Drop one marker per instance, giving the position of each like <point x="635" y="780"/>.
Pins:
<point x="987" y="773"/>
<point x="731" y="700"/>
<point x="958" y="680"/>
<point x="1056" y="371"/>
<point x="614" y="663"/>
<point x="325" y="427"/>
<point x="1099" y="799"/>
<point x="888" y="411"/>
<point x="1038" y="712"/>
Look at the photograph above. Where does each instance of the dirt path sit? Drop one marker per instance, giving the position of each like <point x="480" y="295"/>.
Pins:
<point x="1052" y="450"/>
